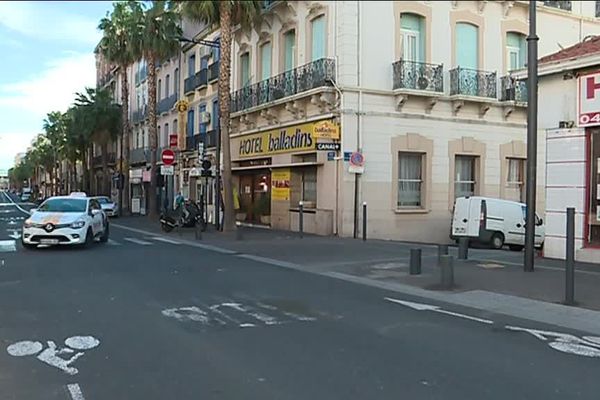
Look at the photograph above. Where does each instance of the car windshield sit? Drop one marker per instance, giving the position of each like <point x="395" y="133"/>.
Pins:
<point x="64" y="205"/>
<point x="103" y="200"/>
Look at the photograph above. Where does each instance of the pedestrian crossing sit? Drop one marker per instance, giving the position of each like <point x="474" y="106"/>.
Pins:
<point x="8" y="246"/>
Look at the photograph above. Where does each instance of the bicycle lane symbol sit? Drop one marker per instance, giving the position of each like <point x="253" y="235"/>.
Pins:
<point x="587" y="346"/>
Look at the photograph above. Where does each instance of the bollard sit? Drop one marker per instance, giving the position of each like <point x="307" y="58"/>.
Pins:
<point x="447" y="271"/>
<point x="198" y="232"/>
<point x="570" y="258"/>
<point x="415" y="261"/>
<point x="442" y="251"/>
<point x="364" y="232"/>
<point x="463" y="248"/>
<point x="301" y="218"/>
<point x="238" y="233"/>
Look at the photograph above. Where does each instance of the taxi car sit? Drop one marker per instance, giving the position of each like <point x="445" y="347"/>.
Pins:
<point x="64" y="220"/>
<point x="108" y="206"/>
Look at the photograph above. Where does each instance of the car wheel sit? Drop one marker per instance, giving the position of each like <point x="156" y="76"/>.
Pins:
<point x="515" y="247"/>
<point x="105" y="234"/>
<point x="89" y="238"/>
<point x="497" y="240"/>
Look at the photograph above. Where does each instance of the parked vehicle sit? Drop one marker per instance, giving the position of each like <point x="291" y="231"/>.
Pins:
<point x="109" y="207"/>
<point x="171" y="219"/>
<point x="493" y="221"/>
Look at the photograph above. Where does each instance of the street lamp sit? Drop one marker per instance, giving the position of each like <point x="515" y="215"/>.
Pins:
<point x="214" y="44"/>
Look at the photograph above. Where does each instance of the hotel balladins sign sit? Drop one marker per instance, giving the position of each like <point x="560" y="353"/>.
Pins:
<point x="588" y="105"/>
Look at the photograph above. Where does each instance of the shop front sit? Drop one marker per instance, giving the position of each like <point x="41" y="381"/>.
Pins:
<point x="137" y="193"/>
<point x="277" y="169"/>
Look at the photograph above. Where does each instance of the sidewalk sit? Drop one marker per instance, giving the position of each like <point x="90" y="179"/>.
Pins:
<point x="498" y="271"/>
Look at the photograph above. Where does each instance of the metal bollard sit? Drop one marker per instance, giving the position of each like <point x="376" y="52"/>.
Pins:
<point x="415" y="262"/>
<point x="198" y="232"/>
<point x="238" y="233"/>
<point x="442" y="251"/>
<point x="447" y="271"/>
<point x="570" y="258"/>
<point x="463" y="248"/>
<point x="301" y="218"/>
<point x="364" y="221"/>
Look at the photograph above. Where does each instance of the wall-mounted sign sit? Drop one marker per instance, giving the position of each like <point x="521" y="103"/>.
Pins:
<point x="280" y="184"/>
<point x="588" y="109"/>
<point x="146" y="176"/>
<point x="173" y="140"/>
<point x="328" y="146"/>
<point x="326" y="130"/>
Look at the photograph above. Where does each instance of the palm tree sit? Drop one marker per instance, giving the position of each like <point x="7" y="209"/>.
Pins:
<point x="77" y="141"/>
<point x="55" y="132"/>
<point x="103" y="120"/>
<point x="116" y="46"/>
<point x="226" y="15"/>
<point x="158" y="41"/>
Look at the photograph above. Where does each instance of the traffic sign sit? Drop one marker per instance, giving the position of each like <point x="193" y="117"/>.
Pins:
<point x="357" y="163"/>
<point x="328" y="146"/>
<point x="167" y="170"/>
<point x="173" y="140"/>
<point x="168" y="157"/>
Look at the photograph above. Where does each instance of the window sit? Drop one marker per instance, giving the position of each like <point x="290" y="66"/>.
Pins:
<point x="516" y="50"/>
<point x="289" y="50"/>
<point x="167" y="88"/>
<point x="190" y="123"/>
<point x="410" y="172"/>
<point x="413" y="37"/>
<point x="203" y="63"/>
<point x="560" y="4"/>
<point x="466" y="46"/>
<point x="176" y="83"/>
<point x="516" y="172"/>
<point x="202" y="125"/>
<point x="309" y="186"/>
<point x="597" y="9"/>
<point x="265" y="61"/>
<point x="318" y="38"/>
<point x="159" y="90"/>
<point x="215" y="114"/>
<point x="245" y="69"/>
<point x="158" y="135"/>
<point x="216" y="54"/>
<point x="166" y="135"/>
<point x="464" y="176"/>
<point x="192" y="65"/>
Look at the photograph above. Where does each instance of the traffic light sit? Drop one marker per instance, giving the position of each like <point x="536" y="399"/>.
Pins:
<point x="206" y="168"/>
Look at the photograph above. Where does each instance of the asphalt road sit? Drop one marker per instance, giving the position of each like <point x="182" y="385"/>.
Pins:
<point x="12" y="215"/>
<point x="142" y="318"/>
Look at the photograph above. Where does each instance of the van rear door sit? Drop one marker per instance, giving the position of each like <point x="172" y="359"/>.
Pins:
<point x="461" y="220"/>
<point x="476" y="218"/>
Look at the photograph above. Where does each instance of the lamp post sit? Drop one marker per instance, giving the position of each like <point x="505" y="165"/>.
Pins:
<point x="532" y="112"/>
<point x="214" y="44"/>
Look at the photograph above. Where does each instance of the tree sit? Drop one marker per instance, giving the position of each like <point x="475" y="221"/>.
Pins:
<point x="117" y="46"/>
<point x="55" y="132"/>
<point x="158" y="41"/>
<point x="101" y="117"/>
<point x="226" y="15"/>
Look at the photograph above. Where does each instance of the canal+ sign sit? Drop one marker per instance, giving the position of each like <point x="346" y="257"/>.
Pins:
<point x="588" y="110"/>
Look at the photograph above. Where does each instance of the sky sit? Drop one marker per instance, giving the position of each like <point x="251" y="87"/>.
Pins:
<point x="47" y="54"/>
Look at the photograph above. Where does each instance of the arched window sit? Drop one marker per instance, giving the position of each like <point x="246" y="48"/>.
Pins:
<point x="467" y="45"/>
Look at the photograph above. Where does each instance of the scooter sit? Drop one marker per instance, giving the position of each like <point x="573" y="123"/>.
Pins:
<point x="172" y="219"/>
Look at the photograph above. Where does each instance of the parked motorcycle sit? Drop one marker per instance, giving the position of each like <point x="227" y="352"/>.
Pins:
<point x="176" y="218"/>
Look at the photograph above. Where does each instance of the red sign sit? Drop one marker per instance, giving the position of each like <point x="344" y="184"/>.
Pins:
<point x="168" y="156"/>
<point x="173" y="140"/>
<point x="589" y="99"/>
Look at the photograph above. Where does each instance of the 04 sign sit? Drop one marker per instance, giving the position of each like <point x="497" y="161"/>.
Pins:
<point x="588" y="109"/>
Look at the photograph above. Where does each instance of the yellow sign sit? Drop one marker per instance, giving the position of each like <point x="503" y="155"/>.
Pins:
<point x="182" y="106"/>
<point x="326" y="130"/>
<point x="280" y="184"/>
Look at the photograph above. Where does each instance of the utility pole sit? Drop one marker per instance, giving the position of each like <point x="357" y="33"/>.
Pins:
<point x="532" y="113"/>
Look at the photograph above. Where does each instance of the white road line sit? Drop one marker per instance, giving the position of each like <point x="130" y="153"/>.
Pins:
<point x="7" y="246"/>
<point x="162" y="239"/>
<point x="75" y="391"/>
<point x="15" y="204"/>
<point x="137" y="241"/>
<point x="113" y="243"/>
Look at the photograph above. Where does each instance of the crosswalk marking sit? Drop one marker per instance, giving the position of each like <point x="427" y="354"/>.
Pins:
<point x="162" y="239"/>
<point x="7" y="246"/>
<point x="113" y="243"/>
<point x="137" y="241"/>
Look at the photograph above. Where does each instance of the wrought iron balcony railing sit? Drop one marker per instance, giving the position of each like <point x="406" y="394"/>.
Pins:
<point x="513" y="89"/>
<point x="140" y="115"/>
<point x="472" y="82"/>
<point x="562" y="5"/>
<point x="196" y="81"/>
<point x="140" y="155"/>
<point x="166" y="104"/>
<point x="418" y="76"/>
<point x="316" y="74"/>
<point x="213" y="71"/>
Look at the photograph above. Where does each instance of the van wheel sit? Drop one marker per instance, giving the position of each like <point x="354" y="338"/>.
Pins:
<point x="515" y="247"/>
<point x="497" y="240"/>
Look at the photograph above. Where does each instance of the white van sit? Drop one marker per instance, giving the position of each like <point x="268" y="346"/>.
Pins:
<point x="494" y="221"/>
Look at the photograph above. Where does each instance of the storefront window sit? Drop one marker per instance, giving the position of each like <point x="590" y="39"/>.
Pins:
<point x="594" y="193"/>
<point x="309" y="186"/>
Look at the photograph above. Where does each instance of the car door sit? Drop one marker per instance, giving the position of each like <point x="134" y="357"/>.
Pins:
<point x="97" y="217"/>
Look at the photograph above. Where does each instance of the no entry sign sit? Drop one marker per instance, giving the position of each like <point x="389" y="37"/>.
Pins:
<point x="168" y="156"/>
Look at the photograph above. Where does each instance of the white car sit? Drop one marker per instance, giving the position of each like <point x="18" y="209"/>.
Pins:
<point x="108" y="206"/>
<point x="65" y="220"/>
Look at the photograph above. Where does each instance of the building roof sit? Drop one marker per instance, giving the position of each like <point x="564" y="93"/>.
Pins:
<point x="586" y="48"/>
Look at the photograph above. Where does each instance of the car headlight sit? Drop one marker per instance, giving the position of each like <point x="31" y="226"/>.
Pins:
<point x="27" y="224"/>
<point x="78" y="224"/>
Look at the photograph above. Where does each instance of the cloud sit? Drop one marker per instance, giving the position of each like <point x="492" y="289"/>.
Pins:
<point x="43" y="22"/>
<point x="54" y="88"/>
<point x="11" y="144"/>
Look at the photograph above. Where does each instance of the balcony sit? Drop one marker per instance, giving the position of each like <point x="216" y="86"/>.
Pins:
<point x="304" y="78"/>
<point x="140" y="115"/>
<point x="561" y="5"/>
<point x="418" y="76"/>
<point x="211" y="138"/>
<point x="191" y="142"/>
<point x="140" y="155"/>
<point x="512" y="89"/>
<point x="472" y="82"/>
<point x="166" y="104"/>
<point x="198" y="80"/>
<point x="213" y="72"/>
<point x="97" y="160"/>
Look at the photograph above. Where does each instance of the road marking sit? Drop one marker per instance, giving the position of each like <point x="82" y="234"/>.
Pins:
<point x="162" y="239"/>
<point x="437" y="309"/>
<point x="15" y="235"/>
<point x="7" y="246"/>
<point x="16" y="205"/>
<point x="75" y="391"/>
<point x="588" y="346"/>
<point x="113" y="243"/>
<point x="24" y="348"/>
<point x="137" y="241"/>
<point x="191" y="313"/>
